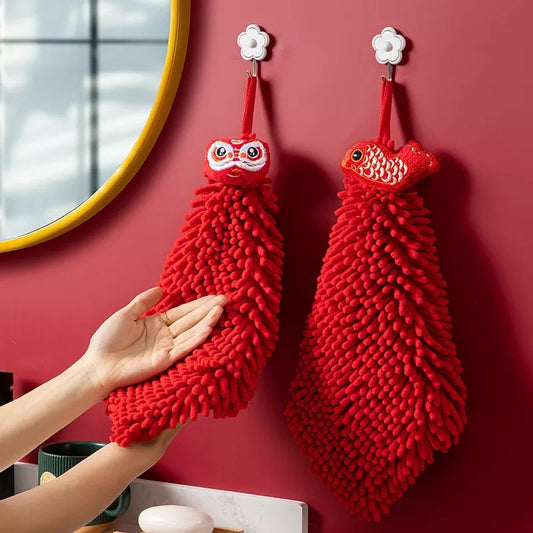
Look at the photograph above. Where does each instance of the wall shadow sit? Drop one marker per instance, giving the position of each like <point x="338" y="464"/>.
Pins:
<point x="307" y="197"/>
<point x="486" y="478"/>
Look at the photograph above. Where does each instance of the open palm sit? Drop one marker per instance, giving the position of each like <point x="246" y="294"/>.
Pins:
<point x="128" y="348"/>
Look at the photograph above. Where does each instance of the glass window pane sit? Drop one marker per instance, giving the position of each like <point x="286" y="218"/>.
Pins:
<point x="146" y="19"/>
<point x="128" y="80"/>
<point x="44" y="19"/>
<point x="44" y="142"/>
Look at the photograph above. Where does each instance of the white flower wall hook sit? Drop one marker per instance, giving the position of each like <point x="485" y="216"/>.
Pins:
<point x="253" y="43"/>
<point x="389" y="46"/>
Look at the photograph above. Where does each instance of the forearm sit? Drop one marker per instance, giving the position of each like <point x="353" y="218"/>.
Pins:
<point x="29" y="420"/>
<point x="75" y="498"/>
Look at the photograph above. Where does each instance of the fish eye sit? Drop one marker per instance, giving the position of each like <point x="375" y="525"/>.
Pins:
<point x="252" y="152"/>
<point x="356" y="155"/>
<point x="220" y="151"/>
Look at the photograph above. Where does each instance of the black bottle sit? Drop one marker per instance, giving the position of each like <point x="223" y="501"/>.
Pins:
<point x="7" y="477"/>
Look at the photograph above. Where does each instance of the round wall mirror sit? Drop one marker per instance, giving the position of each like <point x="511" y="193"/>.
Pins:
<point x="85" y="88"/>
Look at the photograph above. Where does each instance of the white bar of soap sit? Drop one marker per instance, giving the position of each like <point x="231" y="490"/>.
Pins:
<point x="175" y="519"/>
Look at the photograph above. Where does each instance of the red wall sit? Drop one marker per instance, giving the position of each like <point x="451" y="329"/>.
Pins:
<point x="465" y="93"/>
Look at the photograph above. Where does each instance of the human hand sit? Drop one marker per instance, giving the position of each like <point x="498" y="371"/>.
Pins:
<point x="127" y="349"/>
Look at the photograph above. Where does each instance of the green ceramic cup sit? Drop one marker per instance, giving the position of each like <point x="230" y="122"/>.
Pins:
<point x="58" y="457"/>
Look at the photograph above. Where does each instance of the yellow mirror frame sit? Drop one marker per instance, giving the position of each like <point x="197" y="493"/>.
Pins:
<point x="174" y="61"/>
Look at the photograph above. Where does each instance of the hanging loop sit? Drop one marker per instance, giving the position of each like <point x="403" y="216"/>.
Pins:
<point x="249" y="104"/>
<point x="253" y="43"/>
<point x="385" y="115"/>
<point x="389" y="45"/>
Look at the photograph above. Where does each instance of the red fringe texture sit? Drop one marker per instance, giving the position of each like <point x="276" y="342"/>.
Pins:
<point x="229" y="245"/>
<point x="378" y="388"/>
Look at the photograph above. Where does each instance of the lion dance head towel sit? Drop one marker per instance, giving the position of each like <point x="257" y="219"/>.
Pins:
<point x="378" y="387"/>
<point x="229" y="245"/>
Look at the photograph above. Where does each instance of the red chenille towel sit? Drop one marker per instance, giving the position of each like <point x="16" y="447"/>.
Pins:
<point x="378" y="387"/>
<point x="229" y="245"/>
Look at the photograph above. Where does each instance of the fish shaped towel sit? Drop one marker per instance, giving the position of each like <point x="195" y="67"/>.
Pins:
<point x="378" y="387"/>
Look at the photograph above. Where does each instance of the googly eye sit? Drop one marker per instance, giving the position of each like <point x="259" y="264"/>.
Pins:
<point x="357" y="155"/>
<point x="221" y="152"/>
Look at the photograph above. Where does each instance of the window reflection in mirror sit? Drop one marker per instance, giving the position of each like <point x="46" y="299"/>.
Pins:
<point x="78" y="79"/>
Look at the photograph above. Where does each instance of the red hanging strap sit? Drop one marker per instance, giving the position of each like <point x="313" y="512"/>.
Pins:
<point x="386" y="107"/>
<point x="249" y="107"/>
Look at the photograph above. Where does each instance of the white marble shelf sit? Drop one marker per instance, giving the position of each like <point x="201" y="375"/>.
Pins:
<point x="233" y="510"/>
